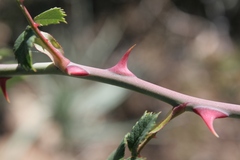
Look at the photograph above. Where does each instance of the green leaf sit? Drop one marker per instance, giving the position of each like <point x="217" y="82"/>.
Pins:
<point x="51" y="16"/>
<point x="140" y="131"/>
<point x="40" y="46"/>
<point x="172" y="114"/>
<point x="118" y="154"/>
<point x="22" y="49"/>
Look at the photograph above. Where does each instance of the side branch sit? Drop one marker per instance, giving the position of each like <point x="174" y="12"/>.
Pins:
<point x="59" y="60"/>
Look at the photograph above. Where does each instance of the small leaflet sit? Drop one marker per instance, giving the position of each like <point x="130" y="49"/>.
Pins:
<point x="52" y="16"/>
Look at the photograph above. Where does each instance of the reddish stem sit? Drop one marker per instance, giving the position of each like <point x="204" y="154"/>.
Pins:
<point x="59" y="60"/>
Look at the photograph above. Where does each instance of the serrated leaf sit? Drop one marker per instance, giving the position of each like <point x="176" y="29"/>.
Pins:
<point x="51" y="16"/>
<point x="22" y="48"/>
<point x="118" y="154"/>
<point x="140" y="131"/>
<point x="40" y="46"/>
<point x="172" y="114"/>
<point x="156" y="129"/>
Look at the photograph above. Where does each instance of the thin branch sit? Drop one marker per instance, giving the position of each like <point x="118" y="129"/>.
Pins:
<point x="128" y="82"/>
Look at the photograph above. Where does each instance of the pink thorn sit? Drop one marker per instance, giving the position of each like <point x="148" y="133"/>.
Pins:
<point x="36" y="25"/>
<point x="121" y="67"/>
<point x="3" y="81"/>
<point x="76" y="71"/>
<point x="209" y="115"/>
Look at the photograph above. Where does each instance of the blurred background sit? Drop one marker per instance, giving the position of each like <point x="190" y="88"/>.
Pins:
<point x="188" y="46"/>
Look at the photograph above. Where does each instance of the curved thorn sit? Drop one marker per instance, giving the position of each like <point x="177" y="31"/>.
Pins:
<point x="121" y="67"/>
<point x="209" y="115"/>
<point x="3" y="81"/>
